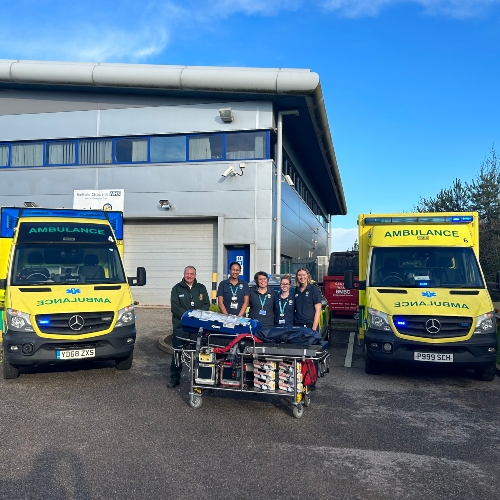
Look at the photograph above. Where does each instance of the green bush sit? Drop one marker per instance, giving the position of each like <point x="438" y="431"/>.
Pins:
<point x="214" y="308"/>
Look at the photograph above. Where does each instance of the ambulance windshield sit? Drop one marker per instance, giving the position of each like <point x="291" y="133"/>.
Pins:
<point x="441" y="267"/>
<point x="66" y="263"/>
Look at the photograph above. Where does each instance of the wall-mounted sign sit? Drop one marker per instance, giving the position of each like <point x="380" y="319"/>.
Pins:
<point x="99" y="199"/>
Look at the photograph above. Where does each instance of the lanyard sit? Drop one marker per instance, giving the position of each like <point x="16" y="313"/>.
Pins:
<point x="262" y="303"/>
<point x="282" y="309"/>
<point x="235" y="291"/>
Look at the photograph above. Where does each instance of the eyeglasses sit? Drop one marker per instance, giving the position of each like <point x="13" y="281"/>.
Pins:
<point x="285" y="284"/>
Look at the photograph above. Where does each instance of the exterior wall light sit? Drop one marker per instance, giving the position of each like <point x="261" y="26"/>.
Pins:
<point x="165" y="204"/>
<point x="288" y="180"/>
<point x="226" y="115"/>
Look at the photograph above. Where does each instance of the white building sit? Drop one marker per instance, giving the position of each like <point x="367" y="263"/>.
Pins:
<point x="169" y="133"/>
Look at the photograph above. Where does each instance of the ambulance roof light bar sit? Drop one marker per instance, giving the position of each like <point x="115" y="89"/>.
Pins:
<point x="456" y="219"/>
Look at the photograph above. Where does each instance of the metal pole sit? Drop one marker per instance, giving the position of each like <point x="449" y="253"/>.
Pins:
<point x="279" y="173"/>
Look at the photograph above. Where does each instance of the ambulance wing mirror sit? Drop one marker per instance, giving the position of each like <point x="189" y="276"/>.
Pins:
<point x="351" y="283"/>
<point x="140" y="279"/>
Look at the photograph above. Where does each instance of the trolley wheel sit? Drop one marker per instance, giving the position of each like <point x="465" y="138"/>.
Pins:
<point x="195" y="401"/>
<point x="307" y="400"/>
<point x="327" y="364"/>
<point x="298" y="410"/>
<point x="322" y="369"/>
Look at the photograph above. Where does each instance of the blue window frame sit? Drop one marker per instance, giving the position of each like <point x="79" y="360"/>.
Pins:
<point x="168" y="148"/>
<point x="131" y="150"/>
<point x="29" y="154"/>
<point x="144" y="149"/>
<point x="4" y="155"/>
<point x="61" y="153"/>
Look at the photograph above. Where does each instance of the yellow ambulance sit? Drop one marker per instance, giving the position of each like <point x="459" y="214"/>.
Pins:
<point x="422" y="295"/>
<point x="64" y="295"/>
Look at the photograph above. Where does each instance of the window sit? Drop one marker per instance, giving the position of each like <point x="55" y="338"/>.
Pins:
<point x="27" y="155"/>
<point x="4" y="155"/>
<point x="131" y="150"/>
<point x="60" y="153"/>
<point x="168" y="148"/>
<point x="157" y="149"/>
<point x="244" y="146"/>
<point x="205" y="147"/>
<point x="94" y="152"/>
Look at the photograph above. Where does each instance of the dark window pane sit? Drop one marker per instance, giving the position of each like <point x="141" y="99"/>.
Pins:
<point x="248" y="145"/>
<point x="131" y="150"/>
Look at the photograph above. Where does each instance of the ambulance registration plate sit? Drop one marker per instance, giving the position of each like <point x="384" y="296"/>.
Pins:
<point x="75" y="354"/>
<point x="433" y="356"/>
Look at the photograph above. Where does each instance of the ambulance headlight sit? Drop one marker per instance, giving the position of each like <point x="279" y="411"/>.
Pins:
<point x="486" y="323"/>
<point x="18" y="321"/>
<point x="378" y="320"/>
<point x="126" y="316"/>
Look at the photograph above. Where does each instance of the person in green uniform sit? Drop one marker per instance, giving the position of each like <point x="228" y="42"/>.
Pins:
<point x="187" y="295"/>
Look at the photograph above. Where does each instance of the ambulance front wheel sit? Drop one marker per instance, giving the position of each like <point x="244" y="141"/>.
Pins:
<point x="195" y="401"/>
<point x="298" y="410"/>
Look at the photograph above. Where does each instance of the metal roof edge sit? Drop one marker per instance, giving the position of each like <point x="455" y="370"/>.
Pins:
<point x="187" y="78"/>
<point x="316" y="106"/>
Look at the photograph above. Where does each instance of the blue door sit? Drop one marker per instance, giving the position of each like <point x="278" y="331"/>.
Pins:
<point x="241" y="254"/>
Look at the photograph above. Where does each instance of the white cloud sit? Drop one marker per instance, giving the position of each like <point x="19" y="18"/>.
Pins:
<point x="126" y="30"/>
<point x="459" y="9"/>
<point x="343" y="239"/>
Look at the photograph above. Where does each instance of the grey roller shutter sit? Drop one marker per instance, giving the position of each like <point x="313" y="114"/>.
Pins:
<point x="165" y="248"/>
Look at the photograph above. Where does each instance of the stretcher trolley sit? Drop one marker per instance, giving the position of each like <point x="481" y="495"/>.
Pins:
<point x="227" y="353"/>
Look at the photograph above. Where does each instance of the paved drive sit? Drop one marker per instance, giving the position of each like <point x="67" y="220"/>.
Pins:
<point x="88" y="433"/>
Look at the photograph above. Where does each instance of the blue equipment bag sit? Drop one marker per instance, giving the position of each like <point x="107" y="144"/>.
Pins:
<point x="212" y="322"/>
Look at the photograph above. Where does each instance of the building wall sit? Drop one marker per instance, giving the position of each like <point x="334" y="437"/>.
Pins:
<point x="244" y="205"/>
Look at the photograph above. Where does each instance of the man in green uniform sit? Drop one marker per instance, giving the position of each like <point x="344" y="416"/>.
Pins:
<point x="185" y="296"/>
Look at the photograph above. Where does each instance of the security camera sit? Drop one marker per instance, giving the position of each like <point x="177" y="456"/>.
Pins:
<point x="288" y="180"/>
<point x="228" y="171"/>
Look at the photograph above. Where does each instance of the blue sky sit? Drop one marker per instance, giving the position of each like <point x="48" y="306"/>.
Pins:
<point x="411" y="87"/>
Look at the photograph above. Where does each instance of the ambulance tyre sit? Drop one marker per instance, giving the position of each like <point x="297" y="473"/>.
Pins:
<point x="487" y="373"/>
<point x="9" y="371"/>
<point x="372" y="367"/>
<point x="298" y="410"/>
<point x="125" y="363"/>
<point x="195" y="401"/>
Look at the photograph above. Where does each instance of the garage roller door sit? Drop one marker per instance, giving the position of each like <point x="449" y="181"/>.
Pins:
<point x="165" y="248"/>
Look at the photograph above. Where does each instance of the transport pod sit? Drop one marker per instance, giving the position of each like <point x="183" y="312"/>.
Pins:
<point x="422" y="295"/>
<point x="64" y="295"/>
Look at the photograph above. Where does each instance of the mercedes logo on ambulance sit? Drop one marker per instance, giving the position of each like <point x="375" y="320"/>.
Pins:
<point x="432" y="326"/>
<point x="76" y="322"/>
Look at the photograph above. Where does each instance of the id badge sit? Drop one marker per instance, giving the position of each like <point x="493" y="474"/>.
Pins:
<point x="233" y="305"/>
<point x="234" y="299"/>
<point x="192" y="304"/>
<point x="262" y="312"/>
<point x="281" y="321"/>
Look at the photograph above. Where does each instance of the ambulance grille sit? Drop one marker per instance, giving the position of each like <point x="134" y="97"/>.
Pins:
<point x="59" y="324"/>
<point x="426" y="326"/>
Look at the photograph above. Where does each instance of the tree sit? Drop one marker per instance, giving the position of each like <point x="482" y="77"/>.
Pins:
<point x="485" y="189"/>
<point x="454" y="199"/>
